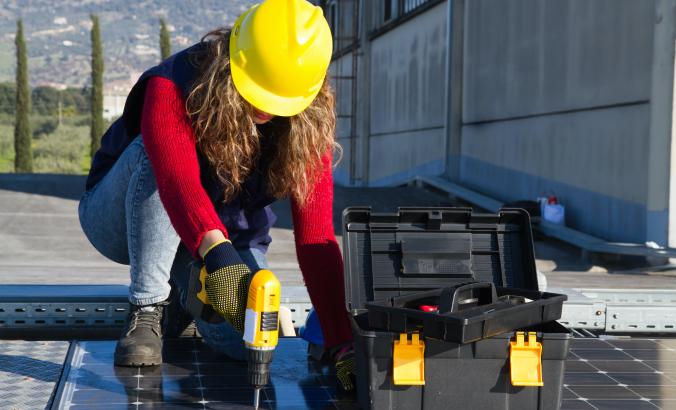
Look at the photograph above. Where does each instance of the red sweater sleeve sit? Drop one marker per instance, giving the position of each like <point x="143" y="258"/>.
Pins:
<point x="319" y="258"/>
<point x="169" y="141"/>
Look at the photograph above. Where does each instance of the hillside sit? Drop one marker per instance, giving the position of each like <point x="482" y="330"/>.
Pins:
<point x="57" y="35"/>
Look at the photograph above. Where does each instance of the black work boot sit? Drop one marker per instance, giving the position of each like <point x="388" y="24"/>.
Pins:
<point x="141" y="341"/>
<point x="177" y="322"/>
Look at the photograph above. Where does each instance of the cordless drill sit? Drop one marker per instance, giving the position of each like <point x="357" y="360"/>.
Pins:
<point x="261" y="328"/>
<point x="261" y="324"/>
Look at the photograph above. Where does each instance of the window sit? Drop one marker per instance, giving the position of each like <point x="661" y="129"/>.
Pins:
<point x="332" y="16"/>
<point x="410" y="5"/>
<point x="343" y="18"/>
<point x="389" y="10"/>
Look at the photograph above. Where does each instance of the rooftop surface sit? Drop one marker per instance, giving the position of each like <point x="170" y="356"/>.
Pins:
<point x="43" y="243"/>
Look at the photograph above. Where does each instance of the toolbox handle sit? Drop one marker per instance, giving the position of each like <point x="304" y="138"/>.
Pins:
<point x="466" y="295"/>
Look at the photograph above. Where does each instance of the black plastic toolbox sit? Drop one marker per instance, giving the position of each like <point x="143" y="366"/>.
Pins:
<point x="473" y="311"/>
<point x="383" y="260"/>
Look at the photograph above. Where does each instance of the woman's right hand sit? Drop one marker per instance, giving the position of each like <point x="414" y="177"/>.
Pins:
<point x="211" y="238"/>
<point x="227" y="282"/>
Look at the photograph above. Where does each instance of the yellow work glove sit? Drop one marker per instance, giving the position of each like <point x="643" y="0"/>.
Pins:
<point x="227" y="283"/>
<point x="346" y="365"/>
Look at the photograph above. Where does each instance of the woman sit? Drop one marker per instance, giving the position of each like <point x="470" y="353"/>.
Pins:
<point x="208" y="140"/>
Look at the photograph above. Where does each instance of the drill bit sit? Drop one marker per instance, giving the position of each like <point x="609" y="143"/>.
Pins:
<point x="257" y="395"/>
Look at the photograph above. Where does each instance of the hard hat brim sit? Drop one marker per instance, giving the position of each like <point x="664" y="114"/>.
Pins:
<point x="266" y="101"/>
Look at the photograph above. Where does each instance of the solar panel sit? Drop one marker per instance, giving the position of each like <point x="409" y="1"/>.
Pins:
<point x="193" y="376"/>
<point x="600" y="374"/>
<point x="621" y="374"/>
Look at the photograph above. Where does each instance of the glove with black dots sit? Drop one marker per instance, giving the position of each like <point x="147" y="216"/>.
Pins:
<point x="227" y="283"/>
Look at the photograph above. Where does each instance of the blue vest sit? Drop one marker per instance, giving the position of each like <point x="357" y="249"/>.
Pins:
<point x="248" y="217"/>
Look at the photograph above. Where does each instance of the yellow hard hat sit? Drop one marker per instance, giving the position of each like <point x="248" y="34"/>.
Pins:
<point x="280" y="51"/>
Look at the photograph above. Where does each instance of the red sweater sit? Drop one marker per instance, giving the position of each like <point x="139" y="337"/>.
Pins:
<point x="169" y="141"/>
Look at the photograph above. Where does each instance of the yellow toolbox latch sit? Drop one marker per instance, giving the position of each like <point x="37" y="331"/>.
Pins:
<point x="525" y="360"/>
<point x="409" y="361"/>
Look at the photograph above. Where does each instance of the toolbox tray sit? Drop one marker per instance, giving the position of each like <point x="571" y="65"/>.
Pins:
<point x="467" y="312"/>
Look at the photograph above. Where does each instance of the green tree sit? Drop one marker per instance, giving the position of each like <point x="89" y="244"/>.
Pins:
<point x="165" y="40"/>
<point x="23" y="159"/>
<point x="97" y="86"/>
<point x="45" y="100"/>
<point x="77" y="99"/>
<point x="7" y="98"/>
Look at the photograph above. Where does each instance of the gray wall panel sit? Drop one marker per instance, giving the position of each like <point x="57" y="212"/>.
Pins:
<point x="408" y="74"/>
<point x="587" y="211"/>
<point x="525" y="57"/>
<point x="604" y="150"/>
<point x="341" y="173"/>
<point x="397" y="154"/>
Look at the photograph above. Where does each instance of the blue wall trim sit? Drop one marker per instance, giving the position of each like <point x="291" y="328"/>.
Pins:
<point x="433" y="168"/>
<point x="341" y="177"/>
<point x="658" y="227"/>
<point x="597" y="214"/>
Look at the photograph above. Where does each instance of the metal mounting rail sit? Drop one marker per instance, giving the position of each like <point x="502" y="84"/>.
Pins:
<point x="101" y="310"/>
<point x="620" y="310"/>
<point x="89" y="311"/>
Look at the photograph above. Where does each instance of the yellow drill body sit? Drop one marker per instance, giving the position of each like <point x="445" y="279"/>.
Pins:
<point x="261" y="325"/>
<point x="261" y="328"/>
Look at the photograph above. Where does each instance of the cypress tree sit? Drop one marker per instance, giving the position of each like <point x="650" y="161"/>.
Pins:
<point x="97" y="86"/>
<point x="23" y="160"/>
<point x="165" y="41"/>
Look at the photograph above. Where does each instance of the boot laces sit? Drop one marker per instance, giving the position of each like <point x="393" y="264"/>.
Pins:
<point x="146" y="319"/>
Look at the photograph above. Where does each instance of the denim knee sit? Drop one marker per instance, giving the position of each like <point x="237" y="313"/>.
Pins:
<point x="101" y="209"/>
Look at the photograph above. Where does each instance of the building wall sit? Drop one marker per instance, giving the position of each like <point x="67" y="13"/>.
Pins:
<point x="526" y="57"/>
<point x="399" y="133"/>
<point x="566" y="97"/>
<point x="113" y="105"/>
<point x="339" y="71"/>
<point x="589" y="159"/>
<point x="556" y="100"/>
<point x="408" y="66"/>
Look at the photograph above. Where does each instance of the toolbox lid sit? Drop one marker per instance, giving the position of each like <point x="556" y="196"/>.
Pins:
<point x="418" y="249"/>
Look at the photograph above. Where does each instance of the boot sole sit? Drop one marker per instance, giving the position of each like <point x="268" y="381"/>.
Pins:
<point x="138" y="361"/>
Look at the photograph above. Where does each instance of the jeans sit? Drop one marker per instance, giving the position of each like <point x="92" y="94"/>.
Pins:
<point x="124" y="219"/>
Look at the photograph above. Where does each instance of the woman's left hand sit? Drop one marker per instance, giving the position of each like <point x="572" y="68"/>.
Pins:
<point x="227" y="283"/>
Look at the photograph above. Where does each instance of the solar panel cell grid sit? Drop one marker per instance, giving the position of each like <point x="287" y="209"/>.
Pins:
<point x="620" y="374"/>
<point x="193" y="376"/>
<point x="600" y="374"/>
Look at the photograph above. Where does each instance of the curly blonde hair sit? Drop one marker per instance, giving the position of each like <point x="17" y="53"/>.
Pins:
<point x="228" y="138"/>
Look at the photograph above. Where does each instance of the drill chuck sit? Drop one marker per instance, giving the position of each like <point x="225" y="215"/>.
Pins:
<point x="259" y="366"/>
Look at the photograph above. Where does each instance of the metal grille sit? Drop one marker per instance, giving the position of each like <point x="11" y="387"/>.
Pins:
<point x="62" y="314"/>
<point x="297" y="300"/>
<point x="389" y="10"/>
<point x="269" y="321"/>
<point x="410" y="5"/>
<point x="100" y="312"/>
<point x="29" y="372"/>
<point x="620" y="311"/>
